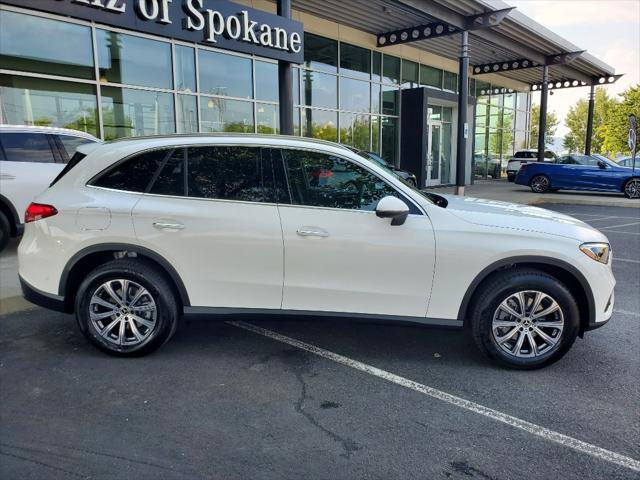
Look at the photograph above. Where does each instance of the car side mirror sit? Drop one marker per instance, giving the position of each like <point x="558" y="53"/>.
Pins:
<point x="393" y="208"/>
<point x="601" y="164"/>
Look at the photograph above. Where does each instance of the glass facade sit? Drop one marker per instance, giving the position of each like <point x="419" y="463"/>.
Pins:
<point x="114" y="84"/>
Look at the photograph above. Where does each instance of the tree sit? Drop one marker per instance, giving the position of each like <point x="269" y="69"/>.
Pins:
<point x="550" y="130"/>
<point x="615" y="128"/>
<point x="576" y="122"/>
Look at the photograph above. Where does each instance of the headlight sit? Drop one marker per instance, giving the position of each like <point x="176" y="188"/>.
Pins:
<point x="597" y="251"/>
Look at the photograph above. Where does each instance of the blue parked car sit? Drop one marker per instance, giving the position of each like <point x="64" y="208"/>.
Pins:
<point x="580" y="172"/>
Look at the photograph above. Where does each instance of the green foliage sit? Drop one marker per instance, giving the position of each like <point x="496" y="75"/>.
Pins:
<point x="576" y="122"/>
<point x="500" y="141"/>
<point x="615" y="128"/>
<point x="550" y="130"/>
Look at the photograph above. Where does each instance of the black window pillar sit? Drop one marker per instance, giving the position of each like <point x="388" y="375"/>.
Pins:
<point x="542" y="124"/>
<point x="587" y="141"/>
<point x="285" y="81"/>
<point x="463" y="100"/>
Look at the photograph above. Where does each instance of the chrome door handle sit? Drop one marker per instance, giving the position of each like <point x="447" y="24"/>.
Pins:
<point x="168" y="226"/>
<point x="312" y="232"/>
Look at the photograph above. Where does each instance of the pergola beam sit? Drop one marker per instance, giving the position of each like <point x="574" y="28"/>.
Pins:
<point x="523" y="63"/>
<point x="574" y="82"/>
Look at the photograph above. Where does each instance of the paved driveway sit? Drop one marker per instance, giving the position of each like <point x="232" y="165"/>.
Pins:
<point x="355" y="400"/>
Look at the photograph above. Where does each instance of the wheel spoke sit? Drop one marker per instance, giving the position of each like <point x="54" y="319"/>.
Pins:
<point x="532" y="342"/>
<point x="504" y="323"/>
<point x="143" y="321"/>
<point x="139" y="294"/>
<point x="536" y="302"/>
<point x="518" y="346"/>
<point x="550" y="309"/>
<point x="104" y="303"/>
<point x="125" y="287"/>
<point x="107" y="288"/>
<point x="550" y="340"/>
<point x="100" y="316"/>
<point x="105" y="332"/>
<point x="135" y="330"/>
<point x="555" y="324"/>
<point x="507" y="336"/>
<point x="149" y="307"/>
<point x="522" y="301"/>
<point x="504" y="306"/>
<point x="121" y="332"/>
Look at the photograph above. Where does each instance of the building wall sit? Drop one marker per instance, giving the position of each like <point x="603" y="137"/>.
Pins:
<point x="115" y="83"/>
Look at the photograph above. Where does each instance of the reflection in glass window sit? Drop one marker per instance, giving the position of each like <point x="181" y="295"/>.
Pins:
<point x="222" y="74"/>
<point x="127" y="112"/>
<point x="376" y="66"/>
<point x="42" y="45"/>
<point x="267" y="118"/>
<point x="389" y="140"/>
<point x="71" y="143"/>
<point x="435" y="112"/>
<point x="355" y="61"/>
<point x="133" y="175"/>
<point x="229" y="173"/>
<point x="445" y="172"/>
<point x="354" y="130"/>
<point x="52" y="103"/>
<point x="322" y="180"/>
<point x="447" y="114"/>
<point x="375" y="97"/>
<point x="267" y="81"/>
<point x="222" y="115"/>
<point x="26" y="147"/>
<point x="185" y="69"/>
<point x="389" y="100"/>
<point x="319" y="124"/>
<point x="132" y="60"/>
<point x="320" y="53"/>
<point x="187" y="110"/>
<point x="319" y="89"/>
<point x="296" y="86"/>
<point x="450" y="81"/>
<point x="375" y="134"/>
<point x="390" y="69"/>
<point x="355" y="95"/>
<point x="171" y="180"/>
<point x="430" y="76"/>
<point x="409" y="74"/>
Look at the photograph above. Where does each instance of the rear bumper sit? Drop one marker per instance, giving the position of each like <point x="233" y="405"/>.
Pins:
<point x="42" y="299"/>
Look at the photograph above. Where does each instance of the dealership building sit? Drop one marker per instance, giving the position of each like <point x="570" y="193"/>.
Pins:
<point x="379" y="75"/>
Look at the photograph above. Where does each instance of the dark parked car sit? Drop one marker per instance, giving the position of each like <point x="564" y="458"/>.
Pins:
<point x="628" y="162"/>
<point x="580" y="172"/>
<point x="408" y="177"/>
<point x="485" y="165"/>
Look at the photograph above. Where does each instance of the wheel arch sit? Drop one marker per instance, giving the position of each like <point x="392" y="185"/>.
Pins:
<point x="563" y="271"/>
<point x="90" y="257"/>
<point x="12" y="215"/>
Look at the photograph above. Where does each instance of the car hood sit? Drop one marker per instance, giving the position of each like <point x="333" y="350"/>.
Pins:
<point x="493" y="213"/>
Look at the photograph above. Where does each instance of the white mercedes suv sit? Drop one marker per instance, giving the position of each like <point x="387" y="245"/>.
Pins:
<point x="146" y="230"/>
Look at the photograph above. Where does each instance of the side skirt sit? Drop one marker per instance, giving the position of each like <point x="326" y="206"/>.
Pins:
<point x="199" y="312"/>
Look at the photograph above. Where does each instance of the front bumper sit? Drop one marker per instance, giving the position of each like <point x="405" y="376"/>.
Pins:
<point x="42" y="299"/>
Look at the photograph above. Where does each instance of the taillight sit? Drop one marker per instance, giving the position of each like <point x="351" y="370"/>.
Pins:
<point x="523" y="167"/>
<point x="38" y="211"/>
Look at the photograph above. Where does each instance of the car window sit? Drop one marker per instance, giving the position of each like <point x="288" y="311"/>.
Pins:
<point x="280" y="185"/>
<point x="567" y="160"/>
<point x="71" y="143"/>
<point x="26" y="147"/>
<point x="133" y="174"/>
<point x="171" y="179"/>
<point x="586" y="160"/>
<point x="229" y="173"/>
<point x="323" y="180"/>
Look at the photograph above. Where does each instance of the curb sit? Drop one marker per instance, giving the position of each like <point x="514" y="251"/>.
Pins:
<point x="15" y="304"/>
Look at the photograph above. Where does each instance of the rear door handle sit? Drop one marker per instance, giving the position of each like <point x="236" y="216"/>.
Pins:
<point x="312" y="232"/>
<point x="168" y="226"/>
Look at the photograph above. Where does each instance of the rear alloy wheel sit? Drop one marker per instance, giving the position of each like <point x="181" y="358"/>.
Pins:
<point x="126" y="308"/>
<point x="524" y="318"/>
<point x="632" y="188"/>
<point x="540" y="184"/>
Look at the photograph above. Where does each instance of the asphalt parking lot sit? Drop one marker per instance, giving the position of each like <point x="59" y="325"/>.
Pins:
<point x="220" y="401"/>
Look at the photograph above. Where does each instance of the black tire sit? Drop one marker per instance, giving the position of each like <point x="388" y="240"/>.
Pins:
<point x="631" y="188"/>
<point x="540" y="184"/>
<point x="501" y="286"/>
<point x="411" y="182"/>
<point x="5" y="231"/>
<point x="158" y="289"/>
<point x="511" y="177"/>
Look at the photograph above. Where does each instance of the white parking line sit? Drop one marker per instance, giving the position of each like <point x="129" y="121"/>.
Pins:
<point x="515" y="422"/>
<point x="627" y="260"/>
<point x="620" y="226"/>
<point x="626" y="312"/>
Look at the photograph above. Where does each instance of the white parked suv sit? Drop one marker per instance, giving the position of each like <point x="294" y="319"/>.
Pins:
<point x="30" y="158"/>
<point x="144" y="231"/>
<point x="525" y="156"/>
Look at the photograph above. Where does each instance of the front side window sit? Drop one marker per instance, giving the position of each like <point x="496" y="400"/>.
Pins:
<point x="322" y="180"/>
<point x="229" y="173"/>
<point x="26" y="147"/>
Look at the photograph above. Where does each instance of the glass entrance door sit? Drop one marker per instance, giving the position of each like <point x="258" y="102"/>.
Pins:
<point x="434" y="150"/>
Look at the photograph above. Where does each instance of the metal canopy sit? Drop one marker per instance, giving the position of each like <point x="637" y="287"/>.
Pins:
<point x="517" y="37"/>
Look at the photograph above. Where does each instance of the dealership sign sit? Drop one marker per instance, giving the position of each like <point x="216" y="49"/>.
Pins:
<point x="217" y="23"/>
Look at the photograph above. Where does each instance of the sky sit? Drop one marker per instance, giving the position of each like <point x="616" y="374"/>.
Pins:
<point x="607" y="29"/>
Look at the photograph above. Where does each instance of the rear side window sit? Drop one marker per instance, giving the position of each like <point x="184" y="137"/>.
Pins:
<point x="229" y="173"/>
<point x="71" y="143"/>
<point x="133" y="174"/>
<point x="26" y="147"/>
<point x="171" y="179"/>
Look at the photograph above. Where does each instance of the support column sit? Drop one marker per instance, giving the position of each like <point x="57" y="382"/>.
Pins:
<point x="463" y="101"/>
<point x="542" y="124"/>
<point x="587" y="141"/>
<point x="285" y="81"/>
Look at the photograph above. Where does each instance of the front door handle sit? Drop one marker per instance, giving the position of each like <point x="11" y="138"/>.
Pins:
<point x="168" y="226"/>
<point x="312" y="232"/>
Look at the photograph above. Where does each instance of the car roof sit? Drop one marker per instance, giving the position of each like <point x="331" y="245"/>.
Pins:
<point x="41" y="129"/>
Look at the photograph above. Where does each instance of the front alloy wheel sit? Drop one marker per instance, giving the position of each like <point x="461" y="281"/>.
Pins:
<point x="632" y="188"/>
<point x="528" y="323"/>
<point x="540" y="184"/>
